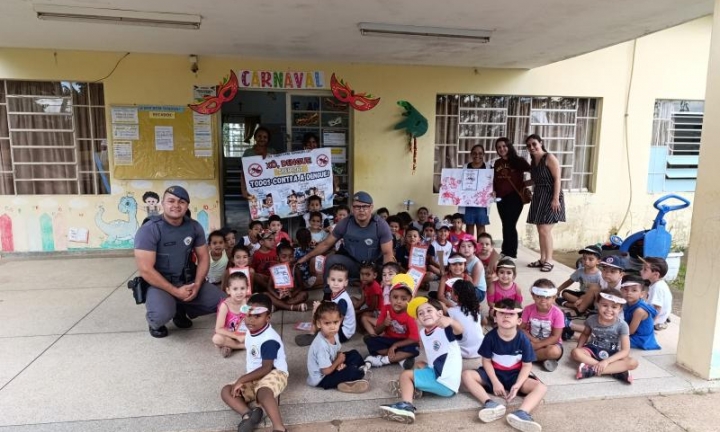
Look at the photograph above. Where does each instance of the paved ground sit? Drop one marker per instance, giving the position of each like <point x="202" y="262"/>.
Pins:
<point x="75" y="355"/>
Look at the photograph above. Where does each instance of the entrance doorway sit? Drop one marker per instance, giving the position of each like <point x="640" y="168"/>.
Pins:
<point x="288" y="116"/>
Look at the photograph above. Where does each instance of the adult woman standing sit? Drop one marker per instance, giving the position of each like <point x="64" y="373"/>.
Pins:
<point x="508" y="185"/>
<point x="310" y="141"/>
<point x="260" y="148"/>
<point x="548" y="204"/>
<point x="476" y="217"/>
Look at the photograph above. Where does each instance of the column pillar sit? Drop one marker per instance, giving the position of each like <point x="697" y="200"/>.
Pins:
<point x="699" y="343"/>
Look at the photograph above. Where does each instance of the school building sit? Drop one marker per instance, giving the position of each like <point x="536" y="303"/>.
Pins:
<point x="94" y="116"/>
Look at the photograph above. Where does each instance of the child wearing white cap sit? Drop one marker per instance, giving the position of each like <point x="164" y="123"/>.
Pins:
<point x="543" y="323"/>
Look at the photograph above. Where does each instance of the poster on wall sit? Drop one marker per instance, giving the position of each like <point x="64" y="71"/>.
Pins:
<point x="280" y="184"/>
<point x="466" y="187"/>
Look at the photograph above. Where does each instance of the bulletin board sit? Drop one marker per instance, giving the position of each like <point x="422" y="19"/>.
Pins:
<point x="162" y="142"/>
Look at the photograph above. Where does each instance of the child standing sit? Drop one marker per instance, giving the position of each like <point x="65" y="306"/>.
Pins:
<point x="580" y="298"/>
<point x="639" y="315"/>
<point x="394" y="338"/>
<point x="441" y="374"/>
<point x="505" y="286"/>
<point x="328" y="367"/>
<point x="370" y="303"/>
<point x="230" y="322"/>
<point x="267" y="371"/>
<point x="604" y="346"/>
<point x="293" y="298"/>
<point x="467" y="313"/>
<point x="506" y="371"/>
<point x="275" y="225"/>
<point x="654" y="270"/>
<point x="218" y="257"/>
<point x="543" y="323"/>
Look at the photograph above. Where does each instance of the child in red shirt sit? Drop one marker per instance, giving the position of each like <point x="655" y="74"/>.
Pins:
<point x="264" y="257"/>
<point x="275" y="225"/>
<point x="456" y="233"/>
<point x="370" y="303"/>
<point x="398" y="340"/>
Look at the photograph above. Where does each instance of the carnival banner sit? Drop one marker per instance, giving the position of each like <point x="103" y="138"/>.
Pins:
<point x="281" y="184"/>
<point x="466" y="187"/>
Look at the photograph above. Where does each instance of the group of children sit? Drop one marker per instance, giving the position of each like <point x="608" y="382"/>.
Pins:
<point x="446" y="324"/>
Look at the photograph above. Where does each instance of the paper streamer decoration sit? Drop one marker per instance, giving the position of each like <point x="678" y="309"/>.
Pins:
<point x="415" y="125"/>
<point x="225" y="92"/>
<point x="358" y="101"/>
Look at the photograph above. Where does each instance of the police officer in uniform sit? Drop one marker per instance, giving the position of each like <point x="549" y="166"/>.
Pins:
<point x="163" y="253"/>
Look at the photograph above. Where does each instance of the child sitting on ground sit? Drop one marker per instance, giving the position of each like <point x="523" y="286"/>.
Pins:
<point x="543" y="323"/>
<point x="314" y="204"/>
<point x="428" y="233"/>
<point x="457" y="233"/>
<point x="505" y="286"/>
<point x="341" y="212"/>
<point x="395" y="224"/>
<point x="239" y="259"/>
<point x="443" y="247"/>
<point x="370" y="303"/>
<point x="580" y="299"/>
<point x="291" y="298"/>
<point x="639" y="315"/>
<point x="252" y="239"/>
<point x="394" y="338"/>
<point x="467" y="247"/>
<point x="337" y="280"/>
<point x="305" y="271"/>
<point x="230" y="322"/>
<point x="506" y="371"/>
<point x="230" y="239"/>
<point x="383" y="212"/>
<point x="267" y="371"/>
<point x="389" y="270"/>
<point x="654" y="270"/>
<point x="488" y="257"/>
<point x="264" y="257"/>
<point x="327" y="366"/>
<point x="613" y="269"/>
<point x="455" y="271"/>
<point x="441" y="374"/>
<point x="402" y="254"/>
<point x="604" y="346"/>
<point x="275" y="225"/>
<point x="218" y="257"/>
<point x="422" y="218"/>
<point x="317" y="233"/>
<point x="467" y="313"/>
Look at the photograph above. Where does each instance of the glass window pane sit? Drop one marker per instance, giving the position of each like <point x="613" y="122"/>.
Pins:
<point x="97" y="94"/>
<point x="45" y="171"/>
<point x="101" y="155"/>
<point x="47" y="187"/>
<point x="43" y="139"/>
<point x="2" y="91"/>
<point x="82" y="122"/>
<point x="5" y="157"/>
<point x="79" y="93"/>
<point x="41" y="155"/>
<point x="38" y="88"/>
<point x="4" y="133"/>
<point x="39" y="105"/>
<point x="98" y="118"/>
<point x="53" y="122"/>
<point x="6" y="184"/>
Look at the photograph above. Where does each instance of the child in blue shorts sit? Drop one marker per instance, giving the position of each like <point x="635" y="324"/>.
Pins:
<point x="506" y="371"/>
<point x="441" y="374"/>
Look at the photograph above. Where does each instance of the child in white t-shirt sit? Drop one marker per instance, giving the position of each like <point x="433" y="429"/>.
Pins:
<point x="654" y="270"/>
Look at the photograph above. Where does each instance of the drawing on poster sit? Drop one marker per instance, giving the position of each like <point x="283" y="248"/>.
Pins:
<point x="454" y="181"/>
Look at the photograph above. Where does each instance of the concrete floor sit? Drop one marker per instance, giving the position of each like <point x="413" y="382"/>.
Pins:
<point x="75" y="354"/>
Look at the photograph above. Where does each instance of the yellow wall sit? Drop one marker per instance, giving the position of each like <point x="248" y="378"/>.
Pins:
<point x="669" y="64"/>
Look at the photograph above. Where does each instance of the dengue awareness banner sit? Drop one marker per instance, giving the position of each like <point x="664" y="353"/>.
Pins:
<point x="281" y="184"/>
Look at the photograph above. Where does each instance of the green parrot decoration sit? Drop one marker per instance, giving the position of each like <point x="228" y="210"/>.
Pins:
<point x="415" y="124"/>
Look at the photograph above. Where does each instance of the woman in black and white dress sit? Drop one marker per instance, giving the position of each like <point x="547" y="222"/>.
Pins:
<point x="548" y="204"/>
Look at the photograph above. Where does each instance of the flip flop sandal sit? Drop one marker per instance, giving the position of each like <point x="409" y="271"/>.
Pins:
<point x="546" y="267"/>
<point x="535" y="264"/>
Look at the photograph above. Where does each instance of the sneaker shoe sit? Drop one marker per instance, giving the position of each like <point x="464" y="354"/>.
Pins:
<point x="408" y="363"/>
<point x="585" y="371"/>
<point x="394" y="389"/>
<point x="250" y="419"/>
<point x="567" y="333"/>
<point x="550" y="365"/>
<point x="491" y="411"/>
<point x="304" y="339"/>
<point x="522" y="421"/>
<point x="624" y="377"/>
<point x="159" y="332"/>
<point x="182" y="321"/>
<point x="374" y="361"/>
<point x="359" y="386"/>
<point x="402" y="412"/>
<point x="661" y="326"/>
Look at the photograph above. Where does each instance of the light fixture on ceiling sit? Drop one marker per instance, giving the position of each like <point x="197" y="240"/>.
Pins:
<point x="117" y="16"/>
<point x="409" y="31"/>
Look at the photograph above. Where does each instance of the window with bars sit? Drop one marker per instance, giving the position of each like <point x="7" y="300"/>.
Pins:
<point x="675" y="147"/>
<point x="53" y="138"/>
<point x="567" y="125"/>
